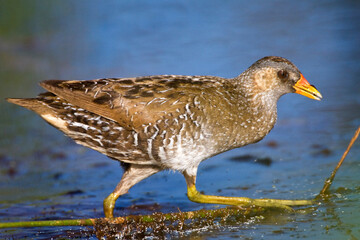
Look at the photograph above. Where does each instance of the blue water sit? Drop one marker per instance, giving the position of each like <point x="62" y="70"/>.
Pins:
<point x="44" y="175"/>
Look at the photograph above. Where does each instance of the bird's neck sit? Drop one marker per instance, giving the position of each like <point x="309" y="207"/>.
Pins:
<point x="257" y="113"/>
<point x="257" y="97"/>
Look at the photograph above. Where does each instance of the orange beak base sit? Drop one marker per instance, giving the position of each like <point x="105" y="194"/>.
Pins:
<point x="303" y="87"/>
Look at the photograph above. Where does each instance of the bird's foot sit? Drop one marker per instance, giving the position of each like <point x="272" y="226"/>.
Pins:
<point x="109" y="205"/>
<point x="196" y="196"/>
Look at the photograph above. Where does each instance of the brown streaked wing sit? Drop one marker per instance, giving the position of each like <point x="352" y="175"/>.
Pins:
<point x="133" y="101"/>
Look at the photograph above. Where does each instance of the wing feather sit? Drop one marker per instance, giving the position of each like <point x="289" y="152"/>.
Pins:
<point x="133" y="101"/>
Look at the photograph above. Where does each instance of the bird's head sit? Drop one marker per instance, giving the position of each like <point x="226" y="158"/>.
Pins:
<point x="276" y="76"/>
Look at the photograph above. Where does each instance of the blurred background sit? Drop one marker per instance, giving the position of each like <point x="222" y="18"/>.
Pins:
<point x="44" y="175"/>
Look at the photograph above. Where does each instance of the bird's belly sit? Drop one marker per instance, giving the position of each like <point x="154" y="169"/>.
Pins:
<point x="184" y="155"/>
<point x="181" y="147"/>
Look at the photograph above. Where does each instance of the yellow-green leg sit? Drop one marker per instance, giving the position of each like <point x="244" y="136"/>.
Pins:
<point x="132" y="175"/>
<point x="109" y="204"/>
<point x="196" y="196"/>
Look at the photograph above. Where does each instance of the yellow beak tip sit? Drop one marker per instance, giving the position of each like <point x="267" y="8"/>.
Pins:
<point x="304" y="88"/>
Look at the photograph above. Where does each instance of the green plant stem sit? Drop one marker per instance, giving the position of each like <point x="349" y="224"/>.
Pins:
<point x="49" y="223"/>
<point x="156" y="217"/>
<point x="330" y="180"/>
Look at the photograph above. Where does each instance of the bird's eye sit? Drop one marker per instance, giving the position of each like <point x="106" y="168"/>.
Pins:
<point x="283" y="75"/>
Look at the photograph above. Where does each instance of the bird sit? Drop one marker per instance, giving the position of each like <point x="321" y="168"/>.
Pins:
<point x="174" y="122"/>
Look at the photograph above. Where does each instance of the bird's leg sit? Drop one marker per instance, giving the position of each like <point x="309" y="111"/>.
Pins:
<point x="196" y="196"/>
<point x="132" y="175"/>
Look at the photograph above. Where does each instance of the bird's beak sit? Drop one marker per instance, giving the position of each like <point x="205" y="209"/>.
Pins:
<point x="303" y="87"/>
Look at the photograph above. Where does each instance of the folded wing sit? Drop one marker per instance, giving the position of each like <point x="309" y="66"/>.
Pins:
<point x="132" y="101"/>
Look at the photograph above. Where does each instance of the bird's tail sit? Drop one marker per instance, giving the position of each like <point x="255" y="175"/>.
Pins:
<point x="33" y="104"/>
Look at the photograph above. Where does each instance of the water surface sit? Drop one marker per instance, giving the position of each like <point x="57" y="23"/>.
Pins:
<point x="44" y="175"/>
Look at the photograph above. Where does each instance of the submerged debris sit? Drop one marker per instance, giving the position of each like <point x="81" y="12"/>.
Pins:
<point x="179" y="223"/>
<point x="266" y="161"/>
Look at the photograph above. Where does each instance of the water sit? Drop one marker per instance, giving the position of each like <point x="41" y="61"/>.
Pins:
<point x="44" y="175"/>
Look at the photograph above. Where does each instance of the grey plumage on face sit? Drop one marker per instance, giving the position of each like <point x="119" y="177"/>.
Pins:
<point x="275" y="62"/>
<point x="284" y="67"/>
